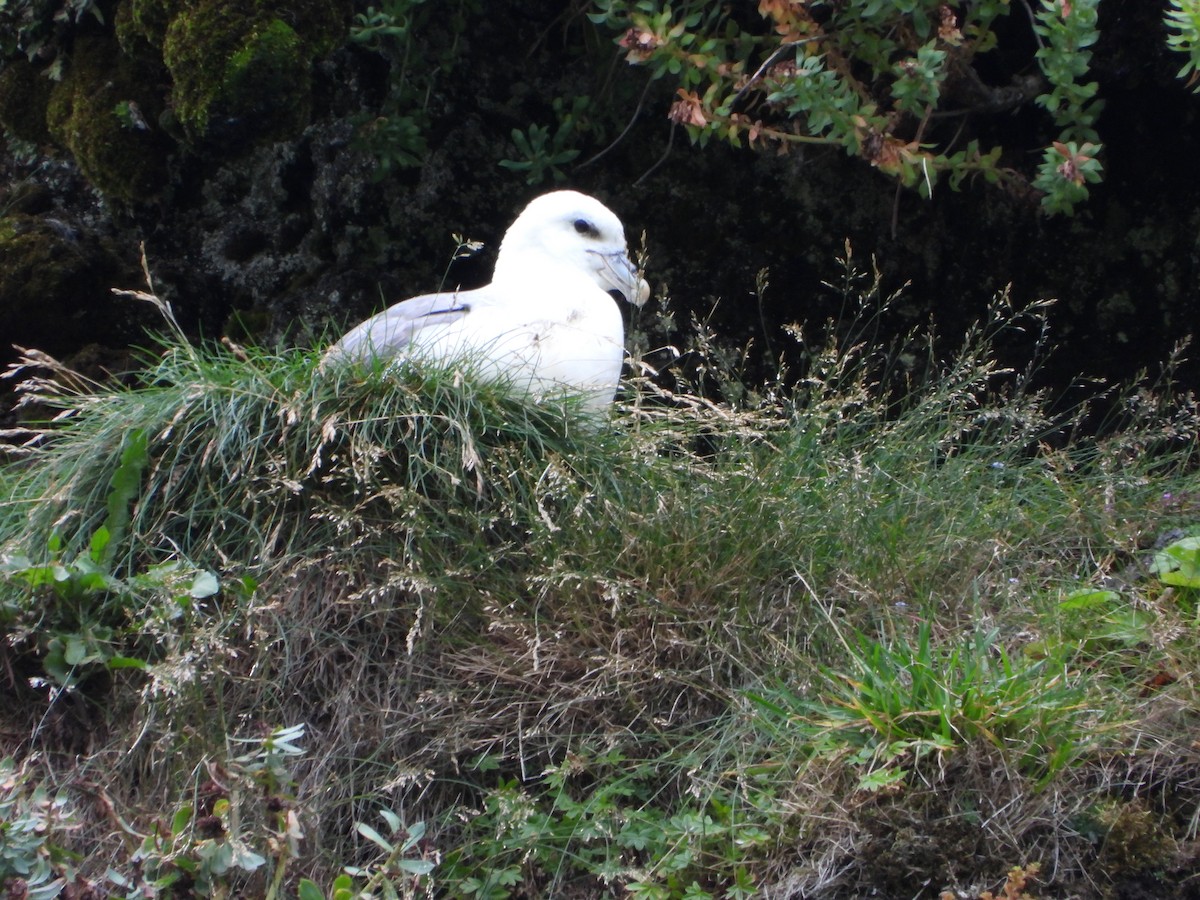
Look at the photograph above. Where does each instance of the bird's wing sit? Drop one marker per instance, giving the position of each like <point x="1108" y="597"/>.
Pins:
<point x="393" y="332"/>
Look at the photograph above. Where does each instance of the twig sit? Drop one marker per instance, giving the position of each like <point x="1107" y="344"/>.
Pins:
<point x="770" y="61"/>
<point x="637" y="112"/>
<point x="662" y="159"/>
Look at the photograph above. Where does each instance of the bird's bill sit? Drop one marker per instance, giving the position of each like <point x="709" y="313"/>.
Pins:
<point x="620" y="274"/>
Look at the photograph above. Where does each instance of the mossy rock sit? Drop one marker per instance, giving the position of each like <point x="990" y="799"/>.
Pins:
<point x="140" y="26"/>
<point x="243" y="69"/>
<point x="322" y="24"/>
<point x="104" y="112"/>
<point x="54" y="285"/>
<point x="24" y="95"/>
<point x="143" y="22"/>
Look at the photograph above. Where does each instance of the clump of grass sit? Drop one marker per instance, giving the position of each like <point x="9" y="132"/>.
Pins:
<point x="540" y="635"/>
<point x="903" y="698"/>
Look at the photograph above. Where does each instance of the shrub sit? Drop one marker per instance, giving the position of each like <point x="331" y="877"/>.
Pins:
<point x="891" y="82"/>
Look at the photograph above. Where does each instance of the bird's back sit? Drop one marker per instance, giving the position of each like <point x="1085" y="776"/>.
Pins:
<point x="393" y="333"/>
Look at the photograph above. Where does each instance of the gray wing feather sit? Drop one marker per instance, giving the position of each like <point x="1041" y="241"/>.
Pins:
<point x="392" y="332"/>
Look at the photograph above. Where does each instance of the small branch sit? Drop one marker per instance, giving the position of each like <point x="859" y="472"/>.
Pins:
<point x="662" y="159"/>
<point x="770" y="61"/>
<point x="637" y="112"/>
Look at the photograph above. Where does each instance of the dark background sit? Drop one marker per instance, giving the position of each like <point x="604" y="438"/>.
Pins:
<point x="274" y="226"/>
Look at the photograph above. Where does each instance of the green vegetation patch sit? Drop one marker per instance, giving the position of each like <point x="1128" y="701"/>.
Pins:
<point x="399" y="632"/>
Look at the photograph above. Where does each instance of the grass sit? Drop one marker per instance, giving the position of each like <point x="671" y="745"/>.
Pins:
<point x="277" y="629"/>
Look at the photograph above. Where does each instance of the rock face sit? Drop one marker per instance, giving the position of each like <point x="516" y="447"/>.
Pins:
<point x="49" y="273"/>
<point x="286" y="179"/>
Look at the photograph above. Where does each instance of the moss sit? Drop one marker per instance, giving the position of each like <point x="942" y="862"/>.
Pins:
<point x="24" y="95"/>
<point x="143" y="21"/>
<point x="243" y="68"/>
<point x="52" y="284"/>
<point x="323" y="24"/>
<point x="268" y="79"/>
<point x="124" y="160"/>
<point x="1135" y="839"/>
<point x="140" y="26"/>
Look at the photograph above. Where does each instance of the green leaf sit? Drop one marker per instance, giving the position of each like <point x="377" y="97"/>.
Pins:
<point x="180" y="820"/>
<point x="374" y="837"/>
<point x="124" y="487"/>
<point x="485" y="763"/>
<point x="308" y="890"/>
<point x="343" y="887"/>
<point x="99" y="543"/>
<point x="1179" y="563"/>
<point x="76" y="651"/>
<point x="125" y="662"/>
<point x="1180" y="579"/>
<point x="416" y="866"/>
<point x="1127" y="626"/>
<point x="55" y="665"/>
<point x="246" y="859"/>
<point x="218" y="857"/>
<point x="509" y="877"/>
<point x="205" y="584"/>
<point x="882" y="778"/>
<point x="48" y="891"/>
<point x="1086" y="598"/>
<point x="117" y="878"/>
<point x="393" y="821"/>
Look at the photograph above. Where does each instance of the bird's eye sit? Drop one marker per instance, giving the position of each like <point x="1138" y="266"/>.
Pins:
<point x="583" y="226"/>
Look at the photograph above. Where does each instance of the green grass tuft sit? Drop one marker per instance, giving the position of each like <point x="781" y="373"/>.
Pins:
<point x="704" y="649"/>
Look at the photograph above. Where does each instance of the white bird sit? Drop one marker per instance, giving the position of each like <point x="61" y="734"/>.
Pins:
<point x="546" y="324"/>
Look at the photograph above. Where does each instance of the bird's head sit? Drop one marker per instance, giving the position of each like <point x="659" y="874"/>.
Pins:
<point x="567" y="228"/>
